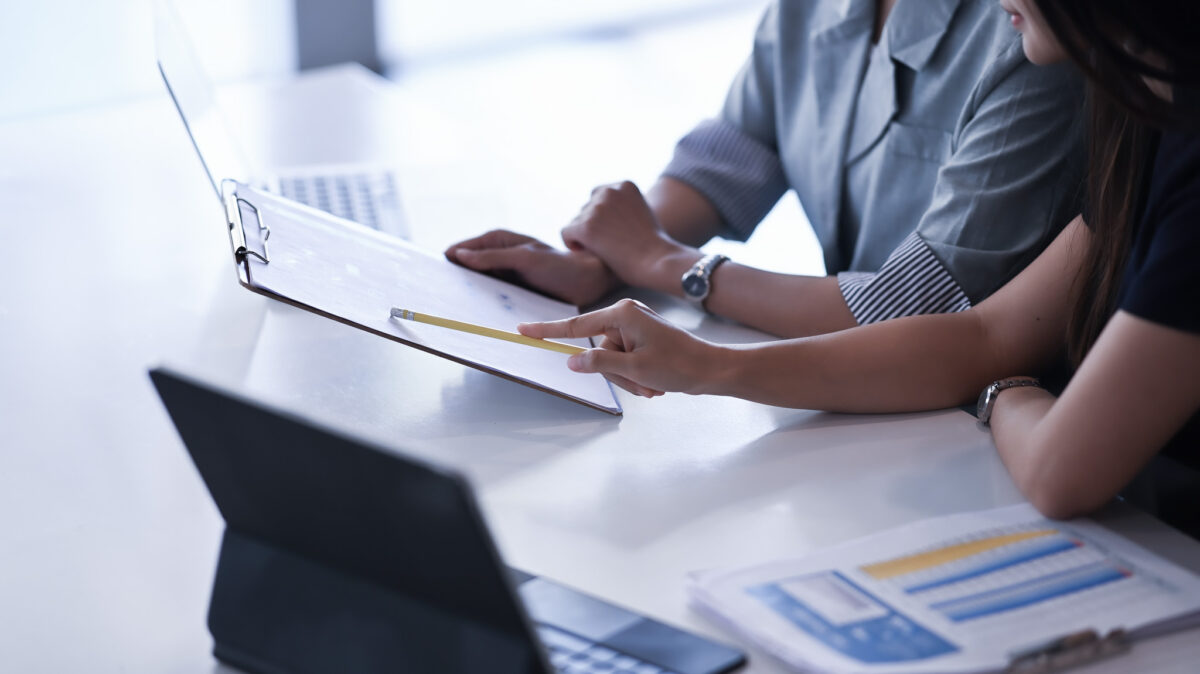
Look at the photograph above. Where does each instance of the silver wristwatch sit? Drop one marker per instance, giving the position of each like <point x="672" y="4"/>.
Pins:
<point x="987" y="399"/>
<point x="697" y="282"/>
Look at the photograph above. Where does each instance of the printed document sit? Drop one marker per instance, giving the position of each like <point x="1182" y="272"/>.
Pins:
<point x="356" y="274"/>
<point x="964" y="593"/>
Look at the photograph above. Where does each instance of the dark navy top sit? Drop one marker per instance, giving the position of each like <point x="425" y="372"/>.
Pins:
<point x="1162" y="276"/>
<point x="1162" y="285"/>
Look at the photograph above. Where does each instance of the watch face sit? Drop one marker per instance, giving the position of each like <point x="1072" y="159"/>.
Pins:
<point x="695" y="285"/>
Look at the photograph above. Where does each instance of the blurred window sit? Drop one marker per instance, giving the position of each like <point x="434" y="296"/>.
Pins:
<point x="66" y="54"/>
<point x="420" y="31"/>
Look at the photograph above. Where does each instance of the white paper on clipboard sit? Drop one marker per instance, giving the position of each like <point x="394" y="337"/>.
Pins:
<point x="356" y="275"/>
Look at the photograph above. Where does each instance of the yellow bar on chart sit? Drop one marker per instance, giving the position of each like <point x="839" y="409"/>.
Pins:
<point x="924" y="560"/>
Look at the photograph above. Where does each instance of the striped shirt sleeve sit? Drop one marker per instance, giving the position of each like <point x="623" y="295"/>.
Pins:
<point x="911" y="281"/>
<point x="742" y="177"/>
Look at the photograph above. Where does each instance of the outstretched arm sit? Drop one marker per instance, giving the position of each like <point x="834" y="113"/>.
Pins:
<point x="915" y="363"/>
<point x="1138" y="386"/>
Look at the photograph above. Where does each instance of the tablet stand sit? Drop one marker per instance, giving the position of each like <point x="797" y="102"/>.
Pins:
<point x="274" y="612"/>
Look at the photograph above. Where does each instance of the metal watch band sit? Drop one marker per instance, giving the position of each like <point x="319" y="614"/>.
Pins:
<point x="987" y="399"/>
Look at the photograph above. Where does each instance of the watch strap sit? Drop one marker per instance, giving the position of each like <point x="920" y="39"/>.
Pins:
<point x="987" y="399"/>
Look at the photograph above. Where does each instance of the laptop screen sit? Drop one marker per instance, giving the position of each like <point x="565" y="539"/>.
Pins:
<point x="196" y="101"/>
<point x="394" y="523"/>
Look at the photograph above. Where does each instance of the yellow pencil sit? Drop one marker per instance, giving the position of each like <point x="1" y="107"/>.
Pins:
<point x="485" y="332"/>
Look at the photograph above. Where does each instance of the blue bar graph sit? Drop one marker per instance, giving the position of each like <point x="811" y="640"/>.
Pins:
<point x="1030" y="592"/>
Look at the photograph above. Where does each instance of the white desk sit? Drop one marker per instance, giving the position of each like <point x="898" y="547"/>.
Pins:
<point x="114" y="260"/>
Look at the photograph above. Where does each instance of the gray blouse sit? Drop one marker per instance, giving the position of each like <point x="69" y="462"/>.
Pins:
<point x="933" y="166"/>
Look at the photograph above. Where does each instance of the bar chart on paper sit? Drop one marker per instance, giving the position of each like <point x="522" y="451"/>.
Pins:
<point x="1011" y="570"/>
<point x="963" y="593"/>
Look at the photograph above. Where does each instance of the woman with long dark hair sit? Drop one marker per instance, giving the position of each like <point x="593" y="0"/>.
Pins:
<point x="1117" y="293"/>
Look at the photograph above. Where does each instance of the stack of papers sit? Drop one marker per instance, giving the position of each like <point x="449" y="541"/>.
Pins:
<point x="977" y="592"/>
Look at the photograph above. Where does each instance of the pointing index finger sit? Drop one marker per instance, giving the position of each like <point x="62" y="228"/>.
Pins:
<point x="585" y="325"/>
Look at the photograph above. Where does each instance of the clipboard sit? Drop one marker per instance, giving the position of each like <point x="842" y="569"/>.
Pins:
<point x="352" y="274"/>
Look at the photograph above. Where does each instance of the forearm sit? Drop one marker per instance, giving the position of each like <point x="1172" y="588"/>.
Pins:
<point x="686" y="215"/>
<point x="1018" y="426"/>
<point x="1046" y="451"/>
<point x="783" y="305"/>
<point x="1135" y="390"/>
<point x="914" y="363"/>
<point x="909" y="364"/>
<point x="779" y="304"/>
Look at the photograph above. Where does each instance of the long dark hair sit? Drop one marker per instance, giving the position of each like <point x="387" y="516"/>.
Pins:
<point x="1118" y="44"/>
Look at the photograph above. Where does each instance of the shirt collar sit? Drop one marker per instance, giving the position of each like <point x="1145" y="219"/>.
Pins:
<point x="913" y="36"/>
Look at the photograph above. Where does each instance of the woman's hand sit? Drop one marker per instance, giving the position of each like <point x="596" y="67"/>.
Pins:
<point x="641" y="352"/>
<point x="574" y="276"/>
<point x="618" y="226"/>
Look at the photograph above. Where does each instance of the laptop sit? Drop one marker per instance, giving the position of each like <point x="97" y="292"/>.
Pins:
<point x="343" y="555"/>
<point x="365" y="193"/>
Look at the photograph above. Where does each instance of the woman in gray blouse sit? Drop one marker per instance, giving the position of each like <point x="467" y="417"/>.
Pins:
<point x="932" y="159"/>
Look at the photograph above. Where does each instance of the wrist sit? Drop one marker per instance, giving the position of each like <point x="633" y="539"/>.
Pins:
<point x="1014" y="399"/>
<point x="717" y="370"/>
<point x="988" y="398"/>
<point x="666" y="268"/>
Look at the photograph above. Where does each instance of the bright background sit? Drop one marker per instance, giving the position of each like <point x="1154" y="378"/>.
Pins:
<point x="606" y="85"/>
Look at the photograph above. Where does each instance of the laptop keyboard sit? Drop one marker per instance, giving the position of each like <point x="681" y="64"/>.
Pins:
<point x="570" y="654"/>
<point x="358" y="197"/>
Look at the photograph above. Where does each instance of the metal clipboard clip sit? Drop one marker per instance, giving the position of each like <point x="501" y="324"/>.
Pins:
<point x="1067" y="651"/>
<point x="237" y="231"/>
